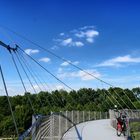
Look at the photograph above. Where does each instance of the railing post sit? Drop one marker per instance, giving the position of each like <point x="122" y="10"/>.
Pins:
<point x="51" y="126"/>
<point x="34" y="129"/>
<point x="133" y="115"/>
<point x="89" y="115"/>
<point x="100" y="115"/>
<point x="94" y="115"/>
<point x="77" y="117"/>
<point x="106" y="115"/>
<point x="66" y="120"/>
<point x="129" y="128"/>
<point x="72" y="117"/>
<point x="83" y="116"/>
<point x="60" y="125"/>
<point x="137" y="114"/>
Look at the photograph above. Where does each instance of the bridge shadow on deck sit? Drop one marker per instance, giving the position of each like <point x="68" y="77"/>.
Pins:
<point x="74" y="125"/>
<point x="78" y="133"/>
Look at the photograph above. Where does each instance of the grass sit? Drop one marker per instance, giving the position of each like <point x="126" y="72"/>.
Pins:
<point x="136" y="135"/>
<point x="135" y="130"/>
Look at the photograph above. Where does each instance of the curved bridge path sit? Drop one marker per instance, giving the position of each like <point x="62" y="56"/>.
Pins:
<point x="93" y="130"/>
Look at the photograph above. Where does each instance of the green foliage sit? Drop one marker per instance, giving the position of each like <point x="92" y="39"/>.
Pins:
<point x="6" y="126"/>
<point x="135" y="130"/>
<point x="44" y="102"/>
<point x="135" y="126"/>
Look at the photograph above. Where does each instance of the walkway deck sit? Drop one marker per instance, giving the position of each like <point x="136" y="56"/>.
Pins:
<point x="93" y="130"/>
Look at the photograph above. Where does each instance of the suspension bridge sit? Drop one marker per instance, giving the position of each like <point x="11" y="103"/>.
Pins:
<point x="68" y="125"/>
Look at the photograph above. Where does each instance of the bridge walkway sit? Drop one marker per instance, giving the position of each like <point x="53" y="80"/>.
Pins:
<point x="93" y="130"/>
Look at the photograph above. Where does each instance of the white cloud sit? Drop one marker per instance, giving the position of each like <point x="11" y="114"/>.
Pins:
<point x="120" y="60"/>
<point x="87" y="27"/>
<point x="31" y="51"/>
<point x="90" y="40"/>
<point x="80" y="74"/>
<point x="66" y="63"/>
<point x="76" y="63"/>
<point x="89" y="35"/>
<point x="59" y="87"/>
<point x="85" y="76"/>
<point x="70" y="42"/>
<point x="79" y="44"/>
<point x="67" y="41"/>
<point x="62" y="34"/>
<point x="80" y="34"/>
<point x="77" y="37"/>
<point x="45" y="59"/>
<point x="54" y="47"/>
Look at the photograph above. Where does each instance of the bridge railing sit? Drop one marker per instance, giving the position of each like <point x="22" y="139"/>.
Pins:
<point x="54" y="126"/>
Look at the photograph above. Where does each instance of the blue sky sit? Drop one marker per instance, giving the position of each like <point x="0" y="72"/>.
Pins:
<point x="100" y="36"/>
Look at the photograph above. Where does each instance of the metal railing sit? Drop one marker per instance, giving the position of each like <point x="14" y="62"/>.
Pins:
<point x="54" y="126"/>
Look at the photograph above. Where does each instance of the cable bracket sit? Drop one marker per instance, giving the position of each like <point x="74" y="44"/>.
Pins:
<point x="8" y="47"/>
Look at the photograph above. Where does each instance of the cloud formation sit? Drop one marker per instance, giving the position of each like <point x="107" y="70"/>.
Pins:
<point x="70" y="42"/>
<point x="78" y="44"/>
<point x="118" y="61"/>
<point x="45" y="59"/>
<point x="78" y="37"/>
<point x="31" y="51"/>
<point x="67" y="41"/>
<point x="89" y="34"/>
<point x="80" y="74"/>
<point x="67" y="63"/>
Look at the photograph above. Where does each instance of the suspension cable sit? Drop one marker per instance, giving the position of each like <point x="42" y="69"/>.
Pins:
<point x="57" y="56"/>
<point x="46" y="69"/>
<point x="66" y="84"/>
<point x="96" y="92"/>
<point x="17" y="55"/>
<point x="107" y="96"/>
<point x="5" y="87"/>
<point x="27" y="76"/>
<point x="138" y="99"/>
<point x="100" y="81"/>
<point x="22" y="81"/>
<point x="30" y="72"/>
<point x="25" y="73"/>
<point x="121" y="99"/>
<point x="115" y="99"/>
<point x="36" y="76"/>
<point x="63" y="59"/>
<point x="33" y="73"/>
<point x="129" y="99"/>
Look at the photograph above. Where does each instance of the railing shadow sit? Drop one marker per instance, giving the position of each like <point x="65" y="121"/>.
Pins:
<point x="74" y="125"/>
<point x="78" y="134"/>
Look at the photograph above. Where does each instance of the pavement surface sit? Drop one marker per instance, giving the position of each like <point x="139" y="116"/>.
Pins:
<point x="93" y="130"/>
